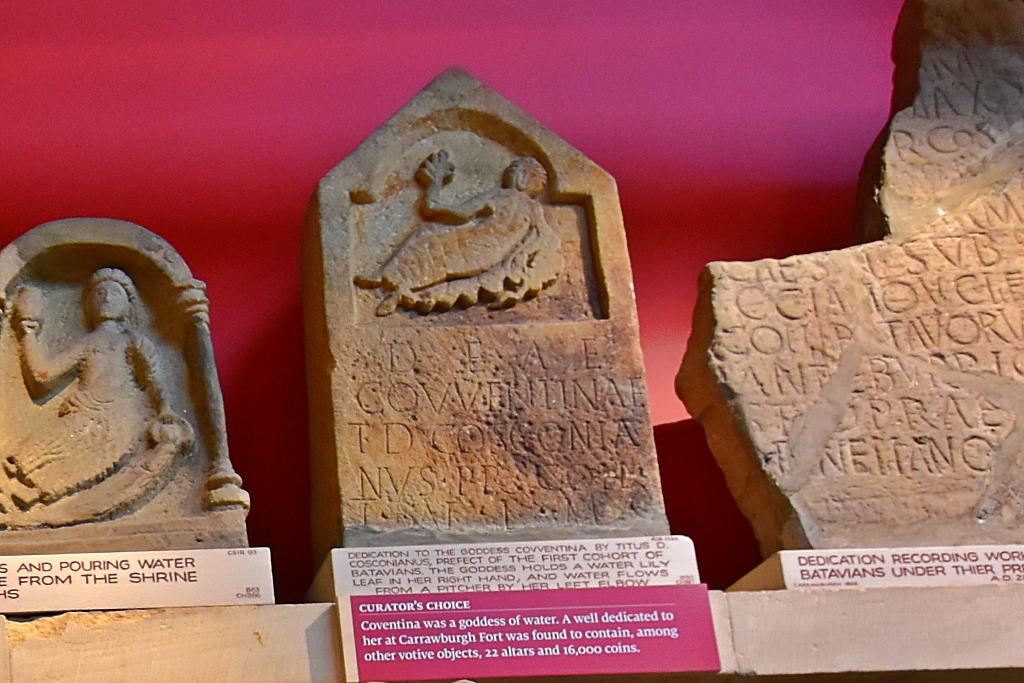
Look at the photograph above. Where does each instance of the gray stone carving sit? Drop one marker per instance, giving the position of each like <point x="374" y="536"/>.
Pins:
<point x="112" y="432"/>
<point x="496" y="246"/>
<point x="874" y="396"/>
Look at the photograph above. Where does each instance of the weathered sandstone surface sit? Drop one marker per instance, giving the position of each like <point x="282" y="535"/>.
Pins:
<point x="473" y="359"/>
<point x="112" y="433"/>
<point x="874" y="396"/>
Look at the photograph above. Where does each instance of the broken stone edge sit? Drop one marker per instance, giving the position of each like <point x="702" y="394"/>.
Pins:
<point x="775" y="522"/>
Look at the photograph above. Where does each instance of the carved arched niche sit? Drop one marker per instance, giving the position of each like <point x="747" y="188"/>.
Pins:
<point x="112" y="432"/>
<point x="471" y="335"/>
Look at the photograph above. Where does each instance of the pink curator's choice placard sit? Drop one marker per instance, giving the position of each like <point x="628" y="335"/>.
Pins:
<point x="651" y="629"/>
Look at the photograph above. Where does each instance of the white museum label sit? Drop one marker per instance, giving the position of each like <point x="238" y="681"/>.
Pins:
<point x="134" y="580"/>
<point x="508" y="566"/>
<point x="888" y="567"/>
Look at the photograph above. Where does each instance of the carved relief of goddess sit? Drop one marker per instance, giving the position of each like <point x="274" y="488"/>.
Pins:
<point x="495" y="247"/>
<point x="116" y="408"/>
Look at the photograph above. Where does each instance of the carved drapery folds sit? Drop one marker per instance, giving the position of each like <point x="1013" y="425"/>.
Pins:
<point x="111" y="418"/>
<point x="471" y="337"/>
<point x="495" y="246"/>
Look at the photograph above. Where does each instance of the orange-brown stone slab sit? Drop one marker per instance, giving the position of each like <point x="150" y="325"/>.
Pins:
<point x="473" y="359"/>
<point x="874" y="396"/>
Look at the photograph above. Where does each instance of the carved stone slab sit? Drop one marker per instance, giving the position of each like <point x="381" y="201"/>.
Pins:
<point x="112" y="431"/>
<point x="473" y="359"/>
<point x="874" y="396"/>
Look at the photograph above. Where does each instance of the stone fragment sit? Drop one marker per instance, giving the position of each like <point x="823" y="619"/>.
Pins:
<point x="874" y="396"/>
<point x="241" y="644"/>
<point x="112" y="432"/>
<point x="473" y="359"/>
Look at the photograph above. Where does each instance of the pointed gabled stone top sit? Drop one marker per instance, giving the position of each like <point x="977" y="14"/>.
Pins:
<point x="874" y="396"/>
<point x="474" y="365"/>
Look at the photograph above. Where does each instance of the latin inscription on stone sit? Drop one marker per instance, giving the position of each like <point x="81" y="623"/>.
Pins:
<point x="472" y="342"/>
<point x="461" y="410"/>
<point x="880" y="389"/>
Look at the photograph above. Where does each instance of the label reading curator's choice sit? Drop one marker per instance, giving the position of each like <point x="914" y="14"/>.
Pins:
<point x="653" y="629"/>
<point x="131" y="580"/>
<point x="887" y="567"/>
<point x="516" y="565"/>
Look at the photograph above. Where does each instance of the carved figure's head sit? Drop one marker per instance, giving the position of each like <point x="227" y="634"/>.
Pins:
<point x="110" y="295"/>
<point x="525" y="174"/>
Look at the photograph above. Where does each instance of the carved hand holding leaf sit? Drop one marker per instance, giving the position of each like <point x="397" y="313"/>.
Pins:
<point x="495" y="247"/>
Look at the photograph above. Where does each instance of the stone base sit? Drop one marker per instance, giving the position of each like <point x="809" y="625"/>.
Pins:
<point x="265" y="644"/>
<point x="219" y="529"/>
<point x="766" y="576"/>
<point x="936" y="635"/>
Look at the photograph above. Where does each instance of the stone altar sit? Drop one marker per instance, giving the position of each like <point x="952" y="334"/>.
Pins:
<point x="874" y="396"/>
<point x="473" y="361"/>
<point x="112" y="433"/>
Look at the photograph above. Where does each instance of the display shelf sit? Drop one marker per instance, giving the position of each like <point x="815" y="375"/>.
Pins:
<point x="963" y="634"/>
<point x="914" y="631"/>
<point x="257" y="644"/>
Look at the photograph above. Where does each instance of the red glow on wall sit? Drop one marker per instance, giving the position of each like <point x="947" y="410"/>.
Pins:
<point x="735" y="129"/>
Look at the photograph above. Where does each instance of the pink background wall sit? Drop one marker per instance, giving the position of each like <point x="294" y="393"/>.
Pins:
<point x="735" y="129"/>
